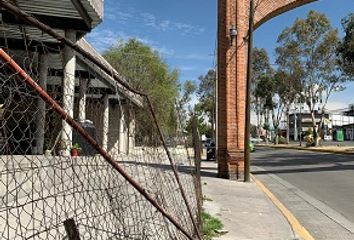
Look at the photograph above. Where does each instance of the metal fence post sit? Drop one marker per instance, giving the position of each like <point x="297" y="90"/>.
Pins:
<point x="71" y="229"/>
<point x="197" y="161"/>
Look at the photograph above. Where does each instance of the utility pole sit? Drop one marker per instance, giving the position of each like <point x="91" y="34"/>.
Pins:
<point x="248" y="93"/>
<point x="300" y="123"/>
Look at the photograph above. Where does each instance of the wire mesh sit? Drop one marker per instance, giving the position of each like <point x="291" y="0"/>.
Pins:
<point x="51" y="176"/>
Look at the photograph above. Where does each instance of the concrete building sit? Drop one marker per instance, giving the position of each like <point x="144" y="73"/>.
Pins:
<point x="331" y="123"/>
<point x="302" y="122"/>
<point x="85" y="91"/>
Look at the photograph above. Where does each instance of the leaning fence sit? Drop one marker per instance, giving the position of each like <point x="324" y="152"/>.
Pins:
<point x="126" y="182"/>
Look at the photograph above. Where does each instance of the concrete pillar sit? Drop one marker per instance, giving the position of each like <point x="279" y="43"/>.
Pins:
<point x="41" y="114"/>
<point x="82" y="99"/>
<point x="105" y="122"/>
<point x="131" y="130"/>
<point x="123" y="133"/>
<point x="69" y="66"/>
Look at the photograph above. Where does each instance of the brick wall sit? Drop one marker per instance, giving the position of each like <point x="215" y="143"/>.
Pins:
<point x="232" y="71"/>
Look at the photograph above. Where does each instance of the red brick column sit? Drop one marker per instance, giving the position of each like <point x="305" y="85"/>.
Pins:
<point x="231" y="90"/>
<point x="232" y="72"/>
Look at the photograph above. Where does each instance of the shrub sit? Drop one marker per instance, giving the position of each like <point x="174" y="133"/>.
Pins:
<point x="282" y="140"/>
<point x="210" y="226"/>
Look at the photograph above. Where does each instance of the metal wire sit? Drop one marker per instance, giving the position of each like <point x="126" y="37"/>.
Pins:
<point x="43" y="187"/>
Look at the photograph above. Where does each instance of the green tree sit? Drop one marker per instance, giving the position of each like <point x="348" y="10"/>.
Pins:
<point x="314" y="42"/>
<point x="182" y="103"/>
<point x="264" y="91"/>
<point x="260" y="67"/>
<point x="146" y="71"/>
<point x="205" y="109"/>
<point x="346" y="47"/>
<point x="290" y="74"/>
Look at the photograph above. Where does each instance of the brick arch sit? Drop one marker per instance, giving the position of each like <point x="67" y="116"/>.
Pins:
<point x="268" y="9"/>
<point x="232" y="71"/>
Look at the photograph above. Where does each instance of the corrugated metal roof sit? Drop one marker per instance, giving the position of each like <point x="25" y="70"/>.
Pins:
<point x="63" y="8"/>
<point x="31" y="33"/>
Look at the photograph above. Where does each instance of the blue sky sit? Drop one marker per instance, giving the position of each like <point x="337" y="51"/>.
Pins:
<point x="184" y="32"/>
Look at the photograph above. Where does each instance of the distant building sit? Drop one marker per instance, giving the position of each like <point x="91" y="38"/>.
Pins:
<point x="331" y="123"/>
<point x="350" y="111"/>
<point x="302" y="122"/>
<point x="348" y="131"/>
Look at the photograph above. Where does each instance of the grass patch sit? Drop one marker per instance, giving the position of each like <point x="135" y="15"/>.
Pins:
<point x="210" y="226"/>
<point x="205" y="198"/>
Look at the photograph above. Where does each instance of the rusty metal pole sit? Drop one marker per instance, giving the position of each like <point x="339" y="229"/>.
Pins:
<point x="71" y="229"/>
<point x="46" y="29"/>
<point x="197" y="161"/>
<point x="75" y="125"/>
<point x="248" y="95"/>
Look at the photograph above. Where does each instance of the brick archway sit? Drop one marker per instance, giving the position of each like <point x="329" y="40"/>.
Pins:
<point x="232" y="70"/>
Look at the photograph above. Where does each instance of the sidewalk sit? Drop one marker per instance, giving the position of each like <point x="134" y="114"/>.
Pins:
<point x="245" y="210"/>
<point x="339" y="148"/>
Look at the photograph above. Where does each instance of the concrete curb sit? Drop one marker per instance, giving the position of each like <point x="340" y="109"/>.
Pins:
<point x="307" y="149"/>
<point x="295" y="224"/>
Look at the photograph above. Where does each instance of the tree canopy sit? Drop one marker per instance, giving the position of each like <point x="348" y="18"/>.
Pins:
<point x="146" y="71"/>
<point x="307" y="51"/>
<point x="206" y="95"/>
<point x="346" y="47"/>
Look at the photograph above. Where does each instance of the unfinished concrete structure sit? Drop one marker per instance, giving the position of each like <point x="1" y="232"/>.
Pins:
<point x="85" y="91"/>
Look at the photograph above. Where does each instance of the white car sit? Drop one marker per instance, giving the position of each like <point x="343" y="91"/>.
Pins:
<point x="328" y="138"/>
<point x="256" y="140"/>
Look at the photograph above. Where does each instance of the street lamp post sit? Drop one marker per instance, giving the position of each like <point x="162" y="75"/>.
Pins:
<point x="300" y="122"/>
<point x="248" y="93"/>
<point x="298" y="97"/>
<point x="295" y="124"/>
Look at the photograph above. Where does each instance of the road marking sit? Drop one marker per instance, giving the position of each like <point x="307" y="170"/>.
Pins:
<point x="295" y="224"/>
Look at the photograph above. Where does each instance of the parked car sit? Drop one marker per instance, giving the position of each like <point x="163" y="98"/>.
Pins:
<point x="251" y="146"/>
<point x="328" y="138"/>
<point x="211" y="149"/>
<point x="256" y="140"/>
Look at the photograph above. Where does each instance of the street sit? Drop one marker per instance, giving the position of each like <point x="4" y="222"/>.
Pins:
<point x="318" y="188"/>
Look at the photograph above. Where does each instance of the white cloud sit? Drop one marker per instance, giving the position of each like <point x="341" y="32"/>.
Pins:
<point x="105" y="38"/>
<point x="336" y="105"/>
<point x="187" y="68"/>
<point x="151" y="20"/>
<point x="114" y="12"/>
<point x="118" y="16"/>
<point x="198" y="57"/>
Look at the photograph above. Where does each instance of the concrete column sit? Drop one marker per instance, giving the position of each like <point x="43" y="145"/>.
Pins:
<point x="41" y="114"/>
<point x="131" y="130"/>
<point x="82" y="99"/>
<point x="69" y="66"/>
<point x="123" y="138"/>
<point x="105" y="122"/>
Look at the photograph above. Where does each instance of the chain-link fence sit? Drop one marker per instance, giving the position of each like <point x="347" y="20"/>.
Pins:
<point x="74" y="161"/>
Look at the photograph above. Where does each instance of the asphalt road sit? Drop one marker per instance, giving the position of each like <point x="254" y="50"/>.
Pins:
<point x="317" y="187"/>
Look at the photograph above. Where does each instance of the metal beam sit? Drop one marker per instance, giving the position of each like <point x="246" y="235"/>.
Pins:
<point x="78" y="73"/>
<point x="52" y="21"/>
<point x="33" y="45"/>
